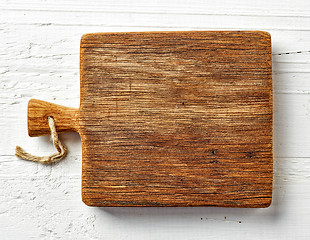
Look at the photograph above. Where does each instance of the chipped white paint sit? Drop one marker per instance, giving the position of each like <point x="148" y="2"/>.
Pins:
<point x="39" y="58"/>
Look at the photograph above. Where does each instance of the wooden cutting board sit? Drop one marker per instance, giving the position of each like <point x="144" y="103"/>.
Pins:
<point x="171" y="118"/>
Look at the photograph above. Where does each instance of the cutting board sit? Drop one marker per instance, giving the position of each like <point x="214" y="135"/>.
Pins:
<point x="171" y="118"/>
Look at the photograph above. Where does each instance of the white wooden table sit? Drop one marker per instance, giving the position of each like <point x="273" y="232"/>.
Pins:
<point x="39" y="58"/>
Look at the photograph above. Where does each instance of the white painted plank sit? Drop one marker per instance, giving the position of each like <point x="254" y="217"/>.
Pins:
<point x="156" y="20"/>
<point x="194" y="7"/>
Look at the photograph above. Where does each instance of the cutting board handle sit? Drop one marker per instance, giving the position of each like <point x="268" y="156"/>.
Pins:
<point x="38" y="111"/>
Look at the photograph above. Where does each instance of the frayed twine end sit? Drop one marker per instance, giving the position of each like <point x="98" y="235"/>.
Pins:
<point x="61" y="149"/>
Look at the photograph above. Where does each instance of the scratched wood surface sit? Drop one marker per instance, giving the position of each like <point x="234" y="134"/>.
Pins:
<point x="44" y="201"/>
<point x="171" y="119"/>
<point x="176" y="119"/>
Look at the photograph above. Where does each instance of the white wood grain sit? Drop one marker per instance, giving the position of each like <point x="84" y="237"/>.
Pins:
<point x="39" y="58"/>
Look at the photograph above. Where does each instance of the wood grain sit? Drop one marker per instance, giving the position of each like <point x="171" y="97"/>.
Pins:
<point x="44" y="64"/>
<point x="176" y="119"/>
<point x="39" y="111"/>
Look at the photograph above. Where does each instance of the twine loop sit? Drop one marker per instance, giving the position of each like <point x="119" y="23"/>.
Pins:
<point x="61" y="149"/>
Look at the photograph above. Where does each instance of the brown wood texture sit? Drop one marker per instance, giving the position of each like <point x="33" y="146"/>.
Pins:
<point x="38" y="111"/>
<point x="174" y="119"/>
